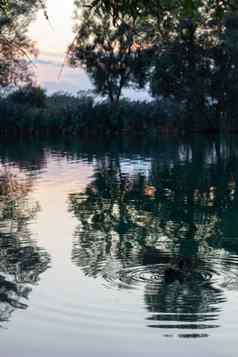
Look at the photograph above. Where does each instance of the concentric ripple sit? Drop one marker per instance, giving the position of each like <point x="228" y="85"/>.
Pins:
<point x="154" y="275"/>
<point x="191" y="301"/>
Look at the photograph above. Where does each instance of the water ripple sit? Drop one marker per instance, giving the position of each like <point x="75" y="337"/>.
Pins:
<point x="192" y="300"/>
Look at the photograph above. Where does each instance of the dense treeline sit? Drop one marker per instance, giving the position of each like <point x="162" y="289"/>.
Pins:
<point x="30" y="111"/>
<point x="183" y="52"/>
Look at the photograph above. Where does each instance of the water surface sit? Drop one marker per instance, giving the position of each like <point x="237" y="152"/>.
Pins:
<point x="128" y="248"/>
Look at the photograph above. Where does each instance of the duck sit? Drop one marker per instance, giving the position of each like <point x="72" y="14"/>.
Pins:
<point x="153" y="256"/>
<point x="179" y="272"/>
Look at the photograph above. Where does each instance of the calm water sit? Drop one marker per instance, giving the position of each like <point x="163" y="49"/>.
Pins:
<point x="125" y="249"/>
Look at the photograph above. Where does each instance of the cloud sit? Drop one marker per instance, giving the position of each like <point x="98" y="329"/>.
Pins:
<point x="71" y="80"/>
<point x="46" y="62"/>
<point x="50" y="76"/>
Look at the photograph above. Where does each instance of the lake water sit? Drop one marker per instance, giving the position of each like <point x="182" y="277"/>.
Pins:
<point x="119" y="249"/>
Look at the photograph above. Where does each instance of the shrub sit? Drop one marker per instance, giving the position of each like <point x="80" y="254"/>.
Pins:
<point x="29" y="96"/>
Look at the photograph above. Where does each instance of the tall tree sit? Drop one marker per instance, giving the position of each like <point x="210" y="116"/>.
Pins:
<point x="16" y="48"/>
<point x="115" y="56"/>
<point x="197" y="68"/>
<point x="161" y="7"/>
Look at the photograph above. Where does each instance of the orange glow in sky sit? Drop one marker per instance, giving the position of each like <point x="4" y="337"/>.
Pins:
<point x="52" y="40"/>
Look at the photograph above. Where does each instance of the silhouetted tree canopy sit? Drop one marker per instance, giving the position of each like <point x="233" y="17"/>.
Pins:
<point x="185" y="49"/>
<point x="114" y="56"/>
<point x="163" y="10"/>
<point x="198" y="68"/>
<point x="16" y="49"/>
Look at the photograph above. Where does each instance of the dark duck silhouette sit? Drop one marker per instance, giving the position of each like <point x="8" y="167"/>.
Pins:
<point x="180" y="272"/>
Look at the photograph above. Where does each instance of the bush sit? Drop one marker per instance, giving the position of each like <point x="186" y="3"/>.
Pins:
<point x="29" y="110"/>
<point x="29" y="96"/>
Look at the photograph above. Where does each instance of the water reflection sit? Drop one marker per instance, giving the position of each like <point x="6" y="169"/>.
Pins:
<point x="137" y="225"/>
<point x="30" y="156"/>
<point x="21" y="261"/>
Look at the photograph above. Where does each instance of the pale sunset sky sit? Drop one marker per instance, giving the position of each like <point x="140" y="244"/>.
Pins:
<point x="56" y="37"/>
<point x="52" y="41"/>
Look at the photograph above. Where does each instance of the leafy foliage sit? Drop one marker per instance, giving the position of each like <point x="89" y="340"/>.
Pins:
<point x="198" y="68"/>
<point x="182" y="49"/>
<point x="165" y="11"/>
<point x="115" y="57"/>
<point x="16" y="49"/>
<point x="24" y="111"/>
<point x="31" y="96"/>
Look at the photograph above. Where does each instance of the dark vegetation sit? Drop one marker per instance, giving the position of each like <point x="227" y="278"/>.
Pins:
<point x="29" y="110"/>
<point x="184" y="52"/>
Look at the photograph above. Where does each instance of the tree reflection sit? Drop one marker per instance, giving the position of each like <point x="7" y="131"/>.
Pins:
<point x="181" y="207"/>
<point x="188" y="201"/>
<point x="194" y="304"/>
<point x="21" y="261"/>
<point x="28" y="156"/>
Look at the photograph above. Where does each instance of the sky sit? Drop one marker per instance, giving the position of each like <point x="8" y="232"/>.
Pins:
<point x="52" y="40"/>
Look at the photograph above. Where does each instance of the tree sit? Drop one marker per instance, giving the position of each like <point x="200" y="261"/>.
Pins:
<point x="6" y="6"/>
<point x="224" y="86"/>
<point x="165" y="12"/>
<point x="33" y="95"/>
<point x="183" y="72"/>
<point x="16" y="49"/>
<point x="114" y="56"/>
<point x="192" y="49"/>
<point x="197" y="68"/>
